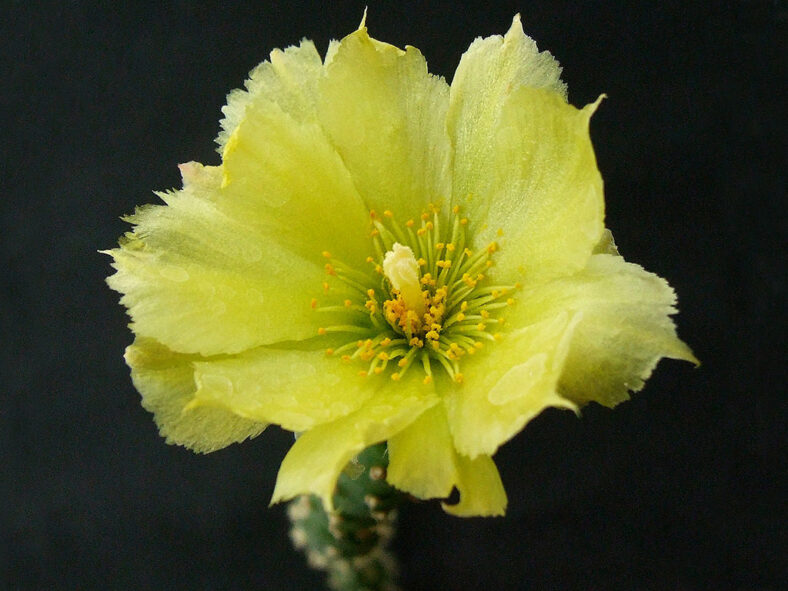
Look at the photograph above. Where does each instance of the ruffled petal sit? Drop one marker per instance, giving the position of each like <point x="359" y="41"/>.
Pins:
<point x="166" y="382"/>
<point x="288" y="78"/>
<point x="623" y="331"/>
<point x="318" y="456"/>
<point x="523" y="160"/>
<point x="481" y="490"/>
<point x="386" y="116"/>
<point x="295" y="389"/>
<point x="508" y="385"/>
<point x="422" y="457"/>
<point x="280" y="173"/>
<point x="201" y="281"/>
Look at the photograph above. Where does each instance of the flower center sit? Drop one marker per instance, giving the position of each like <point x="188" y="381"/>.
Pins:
<point x="424" y="302"/>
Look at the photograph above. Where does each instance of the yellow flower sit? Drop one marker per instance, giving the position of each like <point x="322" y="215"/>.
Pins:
<point x="384" y="257"/>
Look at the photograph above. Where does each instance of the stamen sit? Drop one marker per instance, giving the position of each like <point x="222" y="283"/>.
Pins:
<point x="421" y="297"/>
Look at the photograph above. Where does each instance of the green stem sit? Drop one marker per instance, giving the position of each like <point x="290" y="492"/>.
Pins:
<point x="350" y="542"/>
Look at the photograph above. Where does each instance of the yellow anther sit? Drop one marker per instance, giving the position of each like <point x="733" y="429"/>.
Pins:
<point x="345" y="357"/>
<point x="359" y="343"/>
<point x="458" y="377"/>
<point x="468" y="252"/>
<point x="450" y="247"/>
<point x="395" y="376"/>
<point x="464" y="221"/>
<point x="348" y="303"/>
<point x="370" y="260"/>
<point x="497" y="336"/>
<point x="379" y="269"/>
<point x="478" y="344"/>
<point x="383" y="356"/>
<point x="488" y="263"/>
<point x="435" y="326"/>
<point x="326" y="254"/>
<point x="368" y="343"/>
<point x="510" y="302"/>
<point x="471" y="351"/>
<point x="371" y="293"/>
<point x="499" y="232"/>
<point x="362" y="373"/>
<point x="429" y="225"/>
<point x="460" y="317"/>
<point x="373" y="214"/>
<point x="385" y="342"/>
<point x="409" y="223"/>
<point x="495" y="293"/>
<point x="421" y="262"/>
<point x="439" y="246"/>
<point x="455" y="209"/>
<point x="464" y="306"/>
<point x="388" y="213"/>
<point x="374" y="233"/>
<point x="427" y="380"/>
<point x="329" y="352"/>
<point x="454" y="347"/>
<point x="321" y="331"/>
<point x="402" y="362"/>
<point x="492" y="247"/>
<point x="426" y="278"/>
<point x="481" y="326"/>
<point x="479" y="276"/>
<point x="313" y="303"/>
<point x="443" y="264"/>
<point x="421" y="231"/>
<point x="425" y="216"/>
<point x="415" y="342"/>
<point x="378" y="370"/>
<point x="325" y="286"/>
<point x="484" y="313"/>
<point x="432" y="335"/>
<point x="518" y="285"/>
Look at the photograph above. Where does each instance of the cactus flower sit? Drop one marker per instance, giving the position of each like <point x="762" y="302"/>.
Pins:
<point x="382" y="256"/>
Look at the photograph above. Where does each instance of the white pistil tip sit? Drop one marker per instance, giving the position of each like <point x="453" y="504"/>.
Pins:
<point x="402" y="270"/>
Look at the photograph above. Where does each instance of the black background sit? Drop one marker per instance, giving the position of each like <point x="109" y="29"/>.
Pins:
<point x="675" y="490"/>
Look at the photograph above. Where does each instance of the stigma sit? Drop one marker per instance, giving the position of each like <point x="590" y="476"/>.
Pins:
<point x="402" y="270"/>
<point x="423" y="301"/>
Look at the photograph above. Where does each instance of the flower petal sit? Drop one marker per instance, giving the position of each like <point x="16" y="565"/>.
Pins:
<point x="289" y="78"/>
<point x="386" y="116"/>
<point x="166" y="382"/>
<point x="624" y="330"/>
<point x="538" y="187"/>
<point x="318" y="456"/>
<point x="523" y="160"/>
<point x="487" y="74"/>
<point x="508" y="385"/>
<point x="293" y="388"/>
<point x="200" y="281"/>
<point x="481" y="490"/>
<point x="281" y="171"/>
<point x="422" y="457"/>
<point x="282" y="176"/>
